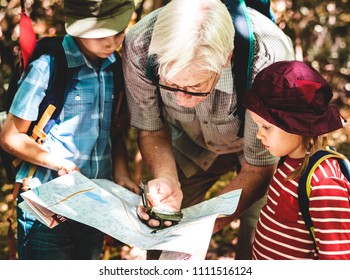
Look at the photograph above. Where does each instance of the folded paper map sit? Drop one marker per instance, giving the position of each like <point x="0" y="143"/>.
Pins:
<point x="111" y="208"/>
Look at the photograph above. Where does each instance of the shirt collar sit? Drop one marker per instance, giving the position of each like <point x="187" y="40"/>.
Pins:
<point x="225" y="83"/>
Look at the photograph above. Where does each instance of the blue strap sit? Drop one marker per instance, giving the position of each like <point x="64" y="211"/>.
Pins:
<point x="243" y="53"/>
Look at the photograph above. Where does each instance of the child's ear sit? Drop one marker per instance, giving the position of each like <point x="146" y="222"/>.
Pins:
<point x="228" y="60"/>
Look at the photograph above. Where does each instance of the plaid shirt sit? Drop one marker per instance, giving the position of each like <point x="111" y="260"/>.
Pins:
<point x="82" y="133"/>
<point x="209" y="129"/>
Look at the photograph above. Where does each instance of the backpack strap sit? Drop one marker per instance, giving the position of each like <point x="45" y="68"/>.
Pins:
<point x="304" y="187"/>
<point x="262" y="6"/>
<point x="281" y="161"/>
<point x="244" y="43"/>
<point x="152" y="69"/>
<point x="119" y="101"/>
<point x="243" y="55"/>
<point x="55" y="93"/>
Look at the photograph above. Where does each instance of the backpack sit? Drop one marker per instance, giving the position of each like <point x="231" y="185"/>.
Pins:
<point x="243" y="55"/>
<point x="55" y="93"/>
<point x="304" y="187"/>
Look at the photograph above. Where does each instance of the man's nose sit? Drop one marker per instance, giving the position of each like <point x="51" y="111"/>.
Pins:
<point x="258" y="134"/>
<point x="181" y="95"/>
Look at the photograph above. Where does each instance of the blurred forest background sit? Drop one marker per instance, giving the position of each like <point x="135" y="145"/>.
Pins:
<point x="320" y="34"/>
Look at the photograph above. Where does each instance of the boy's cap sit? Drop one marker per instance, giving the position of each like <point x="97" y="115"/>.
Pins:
<point x="294" y="97"/>
<point x="97" y="18"/>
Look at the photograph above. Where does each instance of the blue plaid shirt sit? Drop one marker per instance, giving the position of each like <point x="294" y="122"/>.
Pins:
<point x="82" y="133"/>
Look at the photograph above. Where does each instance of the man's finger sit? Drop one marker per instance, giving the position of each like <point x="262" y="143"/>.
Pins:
<point x="141" y="212"/>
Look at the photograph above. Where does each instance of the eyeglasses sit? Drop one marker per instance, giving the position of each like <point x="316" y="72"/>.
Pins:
<point x="193" y="93"/>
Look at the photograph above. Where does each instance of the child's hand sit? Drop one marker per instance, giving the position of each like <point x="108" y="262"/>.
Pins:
<point x="67" y="166"/>
<point x="127" y="183"/>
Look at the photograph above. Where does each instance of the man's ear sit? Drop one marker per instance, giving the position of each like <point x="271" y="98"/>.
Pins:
<point x="228" y="60"/>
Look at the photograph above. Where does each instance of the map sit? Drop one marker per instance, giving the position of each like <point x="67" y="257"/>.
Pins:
<point x="111" y="208"/>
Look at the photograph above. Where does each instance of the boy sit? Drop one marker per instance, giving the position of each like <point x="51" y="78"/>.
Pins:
<point x="80" y="138"/>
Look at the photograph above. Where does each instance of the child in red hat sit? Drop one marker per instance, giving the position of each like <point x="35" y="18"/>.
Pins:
<point x="289" y="101"/>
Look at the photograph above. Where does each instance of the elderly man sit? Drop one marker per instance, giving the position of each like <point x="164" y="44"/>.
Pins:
<point x="187" y="122"/>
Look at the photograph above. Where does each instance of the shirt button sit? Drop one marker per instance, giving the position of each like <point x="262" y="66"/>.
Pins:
<point x="77" y="98"/>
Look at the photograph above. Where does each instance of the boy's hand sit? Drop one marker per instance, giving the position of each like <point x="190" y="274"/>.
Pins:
<point x="66" y="167"/>
<point x="127" y="183"/>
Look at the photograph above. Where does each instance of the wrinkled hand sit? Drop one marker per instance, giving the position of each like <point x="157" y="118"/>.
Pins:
<point x="67" y="166"/>
<point x="165" y="193"/>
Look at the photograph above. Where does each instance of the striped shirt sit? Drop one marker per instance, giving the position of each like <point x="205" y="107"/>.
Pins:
<point x="281" y="232"/>
<point x="209" y="129"/>
<point x="82" y="132"/>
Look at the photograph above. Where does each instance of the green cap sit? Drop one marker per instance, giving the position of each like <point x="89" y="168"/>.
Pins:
<point x="97" y="18"/>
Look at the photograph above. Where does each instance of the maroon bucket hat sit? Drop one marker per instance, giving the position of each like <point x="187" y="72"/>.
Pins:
<point x="294" y="97"/>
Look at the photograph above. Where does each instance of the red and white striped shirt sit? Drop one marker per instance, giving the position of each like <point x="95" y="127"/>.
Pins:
<point x="281" y="232"/>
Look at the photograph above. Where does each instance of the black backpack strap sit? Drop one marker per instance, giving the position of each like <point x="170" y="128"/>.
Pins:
<point x="281" y="161"/>
<point x="262" y="6"/>
<point x="119" y="101"/>
<point x="152" y="69"/>
<point x="55" y="93"/>
<point x="304" y="187"/>
<point x="118" y="73"/>
<point x="152" y="74"/>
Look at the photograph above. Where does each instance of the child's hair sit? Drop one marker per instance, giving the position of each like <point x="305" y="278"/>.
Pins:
<point x="312" y="144"/>
<point x="295" y="97"/>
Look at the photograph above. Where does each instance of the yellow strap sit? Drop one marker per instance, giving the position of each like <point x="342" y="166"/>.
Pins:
<point x="312" y="229"/>
<point x="38" y="135"/>
<point x="333" y="154"/>
<point x="312" y="170"/>
<point x="46" y="117"/>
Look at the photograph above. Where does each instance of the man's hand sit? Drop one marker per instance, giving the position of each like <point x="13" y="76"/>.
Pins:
<point x="164" y="193"/>
<point x="254" y="180"/>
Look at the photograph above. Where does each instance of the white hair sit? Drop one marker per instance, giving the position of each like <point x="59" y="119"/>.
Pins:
<point x="192" y="33"/>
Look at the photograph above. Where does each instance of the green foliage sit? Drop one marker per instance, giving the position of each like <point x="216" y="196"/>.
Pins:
<point x="220" y="184"/>
<point x="318" y="29"/>
<point x="344" y="148"/>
